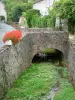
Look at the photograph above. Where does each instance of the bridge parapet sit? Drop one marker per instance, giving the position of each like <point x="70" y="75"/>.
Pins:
<point x="61" y="34"/>
<point x="71" y="60"/>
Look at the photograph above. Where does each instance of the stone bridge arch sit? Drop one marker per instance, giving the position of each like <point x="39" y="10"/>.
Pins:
<point x="41" y="39"/>
<point x="15" y="59"/>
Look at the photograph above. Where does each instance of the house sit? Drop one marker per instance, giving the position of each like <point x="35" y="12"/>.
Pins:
<point x="3" y="13"/>
<point x="43" y="6"/>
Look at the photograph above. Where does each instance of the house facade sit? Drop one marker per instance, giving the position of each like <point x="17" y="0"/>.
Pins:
<point x="3" y="11"/>
<point x="43" y="6"/>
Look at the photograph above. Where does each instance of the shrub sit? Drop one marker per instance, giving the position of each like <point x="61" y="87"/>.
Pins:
<point x="31" y="17"/>
<point x="2" y="18"/>
<point x="14" y="36"/>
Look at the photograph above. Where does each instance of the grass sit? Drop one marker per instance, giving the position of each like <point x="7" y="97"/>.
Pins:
<point x="66" y="90"/>
<point x="37" y="81"/>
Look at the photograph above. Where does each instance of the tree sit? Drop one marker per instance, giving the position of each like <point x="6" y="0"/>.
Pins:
<point x="66" y="9"/>
<point x="14" y="9"/>
<point x="2" y="18"/>
<point x="32" y="15"/>
<point x="16" y="13"/>
<point x="48" y="21"/>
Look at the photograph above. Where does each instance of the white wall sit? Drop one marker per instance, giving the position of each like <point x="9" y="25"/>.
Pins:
<point x="2" y="11"/>
<point x="43" y="6"/>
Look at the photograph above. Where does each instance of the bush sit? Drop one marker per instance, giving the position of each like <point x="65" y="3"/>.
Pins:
<point x="32" y="15"/>
<point x="14" y="36"/>
<point x="16" y="13"/>
<point x="34" y="19"/>
<point x="2" y="18"/>
<point x="14" y="9"/>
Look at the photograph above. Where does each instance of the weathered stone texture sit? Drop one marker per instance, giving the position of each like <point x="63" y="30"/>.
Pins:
<point x="15" y="59"/>
<point x="3" y="80"/>
<point x="47" y="38"/>
<point x="71" y="60"/>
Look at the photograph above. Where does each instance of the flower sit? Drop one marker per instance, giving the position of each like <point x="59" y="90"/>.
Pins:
<point x="14" y="36"/>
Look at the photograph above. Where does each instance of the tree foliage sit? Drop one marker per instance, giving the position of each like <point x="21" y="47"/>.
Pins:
<point x="23" y="7"/>
<point x="2" y="18"/>
<point x="66" y="9"/>
<point x="31" y="16"/>
<point x="34" y="19"/>
<point x="15" y="9"/>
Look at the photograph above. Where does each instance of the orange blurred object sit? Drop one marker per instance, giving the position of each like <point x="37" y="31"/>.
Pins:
<point x="14" y="36"/>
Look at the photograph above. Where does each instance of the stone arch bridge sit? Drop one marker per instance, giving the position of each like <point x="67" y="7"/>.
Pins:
<point x="15" y="59"/>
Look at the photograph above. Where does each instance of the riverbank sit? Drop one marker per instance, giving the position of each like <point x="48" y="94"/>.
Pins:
<point x="38" y="82"/>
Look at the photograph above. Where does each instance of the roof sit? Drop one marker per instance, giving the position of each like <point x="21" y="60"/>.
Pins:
<point x="37" y="1"/>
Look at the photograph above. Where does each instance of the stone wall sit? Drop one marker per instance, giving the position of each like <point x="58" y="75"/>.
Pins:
<point x="71" y="61"/>
<point x="15" y="59"/>
<point x="47" y="38"/>
<point x="3" y="61"/>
